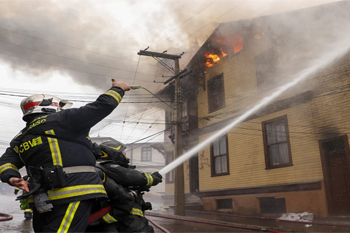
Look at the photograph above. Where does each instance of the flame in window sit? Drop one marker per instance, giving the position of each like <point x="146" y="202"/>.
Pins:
<point x="237" y="44"/>
<point x="232" y="45"/>
<point x="211" y="59"/>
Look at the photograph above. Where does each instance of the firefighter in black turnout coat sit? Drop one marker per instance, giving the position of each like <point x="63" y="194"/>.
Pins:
<point x="56" y="151"/>
<point x="125" y="186"/>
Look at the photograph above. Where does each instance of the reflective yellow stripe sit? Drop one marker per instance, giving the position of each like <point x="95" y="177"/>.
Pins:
<point x="114" y="94"/>
<point x="149" y="179"/>
<point x="104" y="155"/>
<point x="135" y="211"/>
<point x="28" y="210"/>
<point x="7" y="166"/>
<point x="116" y="148"/>
<point x="55" y="149"/>
<point x="74" y="191"/>
<point x="68" y="217"/>
<point x="104" y="177"/>
<point x="109" y="218"/>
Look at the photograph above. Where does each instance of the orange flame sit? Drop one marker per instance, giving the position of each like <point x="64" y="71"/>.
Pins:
<point x="237" y="44"/>
<point x="214" y="57"/>
<point x="211" y="59"/>
<point x="223" y="53"/>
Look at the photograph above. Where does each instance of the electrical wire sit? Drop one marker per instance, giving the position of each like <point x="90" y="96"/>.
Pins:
<point x="72" y="59"/>
<point x="76" y="70"/>
<point x="145" y="111"/>
<point x="68" y="46"/>
<point x="127" y="107"/>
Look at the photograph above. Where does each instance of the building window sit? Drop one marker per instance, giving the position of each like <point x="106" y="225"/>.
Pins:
<point x="224" y="203"/>
<point x="169" y="177"/>
<point x="276" y="143"/>
<point x="219" y="157"/>
<point x="271" y="205"/>
<point x="146" y="154"/>
<point x="216" y="93"/>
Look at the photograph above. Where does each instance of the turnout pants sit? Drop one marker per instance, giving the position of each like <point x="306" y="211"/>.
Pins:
<point x="71" y="217"/>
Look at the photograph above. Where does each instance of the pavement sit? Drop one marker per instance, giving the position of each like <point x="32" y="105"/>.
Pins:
<point x="332" y="224"/>
<point x="17" y="224"/>
<point x="8" y="205"/>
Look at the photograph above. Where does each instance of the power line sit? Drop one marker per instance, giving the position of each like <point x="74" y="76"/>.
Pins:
<point x="127" y="107"/>
<point x="76" y="70"/>
<point x="146" y="109"/>
<point x="68" y="46"/>
<point x="73" y="59"/>
<point x="87" y="101"/>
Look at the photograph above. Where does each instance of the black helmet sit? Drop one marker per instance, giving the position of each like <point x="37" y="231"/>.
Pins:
<point x="112" y="150"/>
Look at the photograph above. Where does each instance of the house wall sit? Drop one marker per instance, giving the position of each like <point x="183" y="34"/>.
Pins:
<point x="246" y="154"/>
<point x="296" y="202"/>
<point x="323" y="117"/>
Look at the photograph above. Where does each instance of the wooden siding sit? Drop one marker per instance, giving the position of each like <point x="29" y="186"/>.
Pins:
<point x="325" y="116"/>
<point x="247" y="163"/>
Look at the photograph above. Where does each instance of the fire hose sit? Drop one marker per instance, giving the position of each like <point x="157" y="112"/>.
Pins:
<point x="5" y="217"/>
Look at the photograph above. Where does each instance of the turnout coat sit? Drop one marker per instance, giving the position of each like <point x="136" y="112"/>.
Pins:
<point x="62" y="139"/>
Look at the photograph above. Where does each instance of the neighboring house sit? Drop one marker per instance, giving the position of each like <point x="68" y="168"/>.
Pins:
<point x="147" y="159"/>
<point x="291" y="156"/>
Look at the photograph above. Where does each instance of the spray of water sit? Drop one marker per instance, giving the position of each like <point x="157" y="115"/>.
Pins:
<point x="317" y="65"/>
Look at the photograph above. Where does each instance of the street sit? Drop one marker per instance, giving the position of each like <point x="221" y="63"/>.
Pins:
<point x="18" y="223"/>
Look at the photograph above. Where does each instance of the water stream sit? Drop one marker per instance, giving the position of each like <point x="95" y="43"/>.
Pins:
<point x="315" y="66"/>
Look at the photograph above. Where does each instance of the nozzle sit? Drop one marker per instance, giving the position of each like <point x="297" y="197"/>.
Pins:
<point x="134" y="87"/>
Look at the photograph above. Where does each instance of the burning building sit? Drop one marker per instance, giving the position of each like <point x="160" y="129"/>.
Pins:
<point x="292" y="155"/>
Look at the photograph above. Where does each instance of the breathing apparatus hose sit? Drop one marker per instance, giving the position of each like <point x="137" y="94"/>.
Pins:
<point x="99" y="214"/>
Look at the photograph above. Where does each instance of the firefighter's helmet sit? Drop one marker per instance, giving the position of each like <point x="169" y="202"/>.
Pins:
<point x="114" y="150"/>
<point x="42" y="103"/>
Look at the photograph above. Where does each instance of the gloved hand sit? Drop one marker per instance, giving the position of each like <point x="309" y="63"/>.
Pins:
<point x="157" y="178"/>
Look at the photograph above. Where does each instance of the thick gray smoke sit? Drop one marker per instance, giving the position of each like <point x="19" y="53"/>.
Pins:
<point x="74" y="37"/>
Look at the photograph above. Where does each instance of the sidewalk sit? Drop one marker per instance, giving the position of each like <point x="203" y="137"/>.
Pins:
<point x="334" y="224"/>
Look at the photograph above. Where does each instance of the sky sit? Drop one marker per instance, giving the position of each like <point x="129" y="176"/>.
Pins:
<point x="73" y="48"/>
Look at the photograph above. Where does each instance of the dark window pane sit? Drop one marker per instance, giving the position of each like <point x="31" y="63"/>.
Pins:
<point x="216" y="148"/>
<point x="271" y="136"/>
<point x="220" y="156"/>
<point x="224" y="164"/>
<point x="216" y="94"/>
<point x="224" y="203"/>
<point x="218" y="168"/>
<point x="223" y="145"/>
<point x="277" y="150"/>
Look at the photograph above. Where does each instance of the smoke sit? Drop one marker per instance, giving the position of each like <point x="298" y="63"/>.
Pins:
<point x="74" y="37"/>
<point x="59" y="35"/>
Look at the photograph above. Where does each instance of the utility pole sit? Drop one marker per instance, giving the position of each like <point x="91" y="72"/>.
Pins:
<point x="179" y="183"/>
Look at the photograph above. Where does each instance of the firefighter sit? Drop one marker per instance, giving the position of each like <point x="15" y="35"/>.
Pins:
<point x="127" y="214"/>
<point x="57" y="153"/>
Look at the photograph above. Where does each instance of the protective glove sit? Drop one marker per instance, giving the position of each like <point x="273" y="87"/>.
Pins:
<point x="157" y="178"/>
